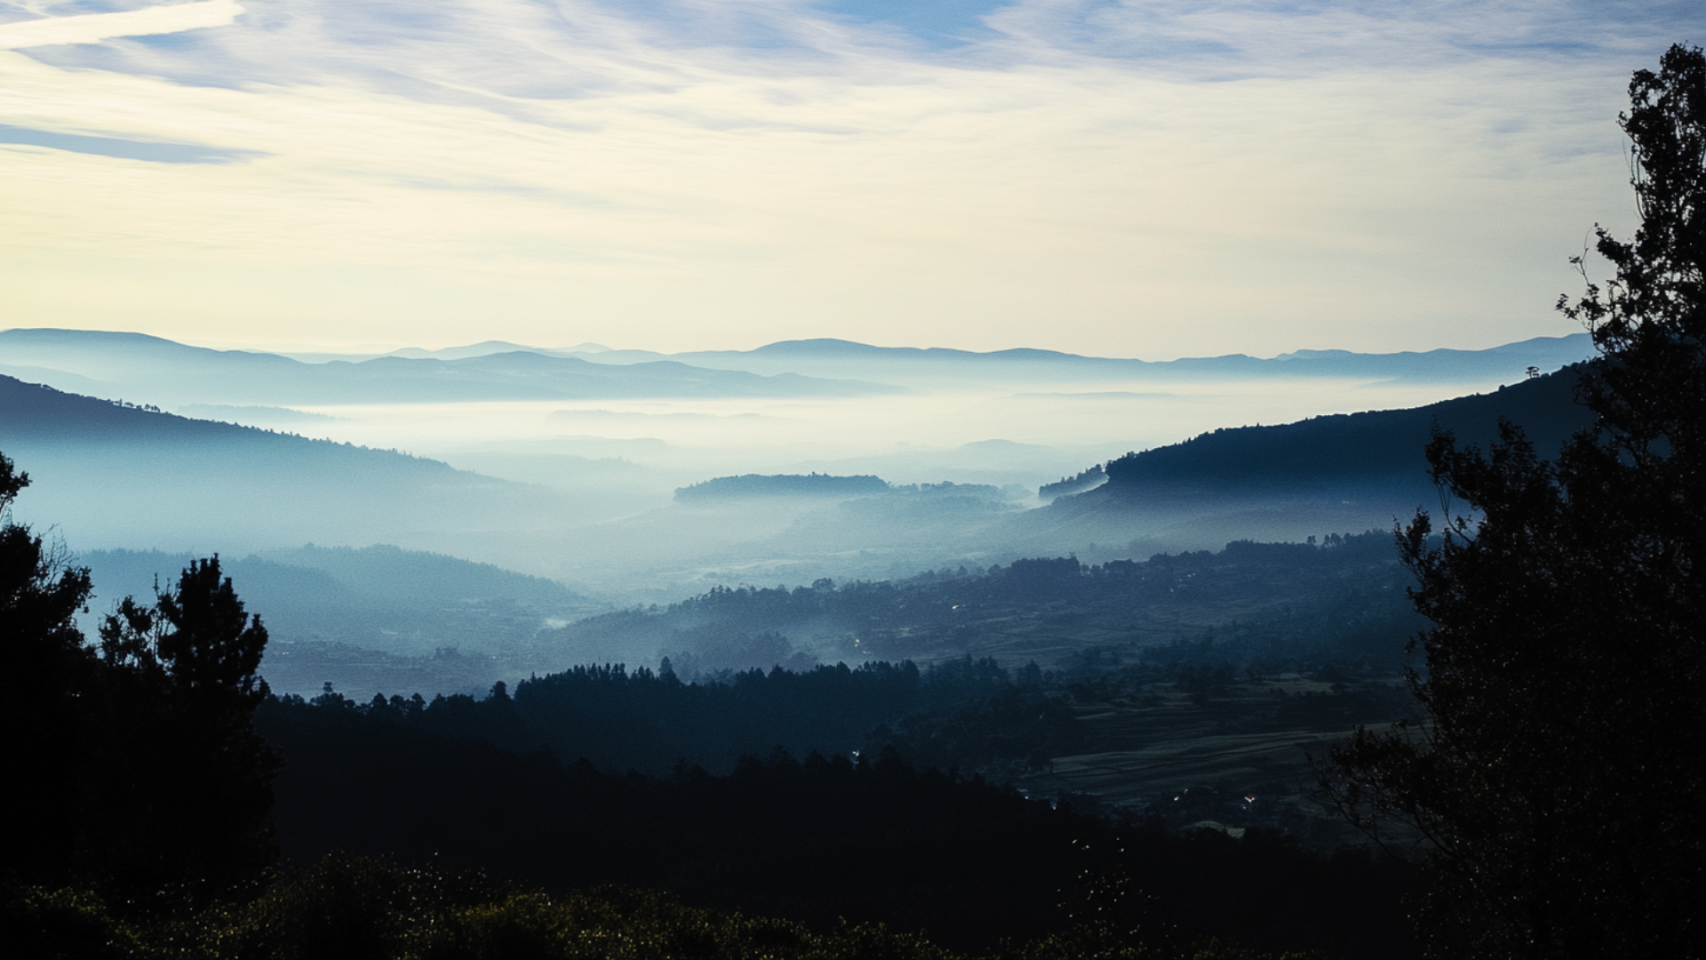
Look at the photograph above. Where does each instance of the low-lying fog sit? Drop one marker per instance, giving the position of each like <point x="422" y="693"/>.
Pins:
<point x="965" y="441"/>
<point x="614" y="530"/>
<point x="619" y="457"/>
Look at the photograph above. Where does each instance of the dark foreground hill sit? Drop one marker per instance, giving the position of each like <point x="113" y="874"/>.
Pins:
<point x="810" y="839"/>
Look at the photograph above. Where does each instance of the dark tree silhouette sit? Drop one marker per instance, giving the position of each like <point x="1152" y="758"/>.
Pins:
<point x="1557" y="776"/>
<point x="45" y="668"/>
<point x="136" y="770"/>
<point x="182" y="790"/>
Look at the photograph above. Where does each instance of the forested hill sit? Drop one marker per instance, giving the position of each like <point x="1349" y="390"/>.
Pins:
<point x="1342" y="600"/>
<point x="111" y="474"/>
<point x="752" y="485"/>
<point x="1377" y="446"/>
<point x="33" y="414"/>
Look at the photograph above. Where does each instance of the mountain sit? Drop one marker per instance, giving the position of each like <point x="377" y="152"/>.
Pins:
<point x="482" y="349"/>
<point x="1382" y="446"/>
<point x="165" y="372"/>
<point x="434" y="580"/>
<point x="1342" y="473"/>
<point x="110" y="474"/>
<point x="843" y="358"/>
<point x="144" y="368"/>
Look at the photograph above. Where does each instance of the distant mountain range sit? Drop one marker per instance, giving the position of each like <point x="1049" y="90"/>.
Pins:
<point x="832" y="357"/>
<point x="840" y="358"/>
<point x="144" y="368"/>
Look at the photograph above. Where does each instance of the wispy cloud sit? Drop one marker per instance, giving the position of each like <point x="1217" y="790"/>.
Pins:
<point x="95" y="27"/>
<point x="1147" y="178"/>
<point x="145" y="150"/>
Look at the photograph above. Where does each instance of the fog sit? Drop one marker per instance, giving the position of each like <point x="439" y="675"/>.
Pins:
<point x="615" y="530"/>
<point x="621" y="456"/>
<point x="566" y="468"/>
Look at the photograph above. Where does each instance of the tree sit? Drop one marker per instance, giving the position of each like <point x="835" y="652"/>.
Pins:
<point x="182" y="788"/>
<point x="1556" y="777"/>
<point x="137" y="769"/>
<point x="45" y="669"/>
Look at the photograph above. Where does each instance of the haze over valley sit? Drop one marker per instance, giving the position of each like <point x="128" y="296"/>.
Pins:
<point x="1127" y="537"/>
<point x="628" y="478"/>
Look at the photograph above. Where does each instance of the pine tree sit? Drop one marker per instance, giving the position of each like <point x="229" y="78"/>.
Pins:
<point x="182" y="791"/>
<point x="45" y="670"/>
<point x="1557" y="777"/>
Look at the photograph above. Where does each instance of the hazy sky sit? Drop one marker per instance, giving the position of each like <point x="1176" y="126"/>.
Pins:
<point x="1133" y="178"/>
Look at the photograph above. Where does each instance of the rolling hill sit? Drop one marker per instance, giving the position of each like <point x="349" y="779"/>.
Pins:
<point x="1348" y="449"/>
<point x="372" y="617"/>
<point x="113" y="475"/>
<point x="1340" y="473"/>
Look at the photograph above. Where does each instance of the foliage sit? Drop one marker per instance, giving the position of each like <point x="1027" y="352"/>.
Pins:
<point x="1098" y="942"/>
<point x="1558" y="773"/>
<point x="1342" y="599"/>
<point x="966" y="713"/>
<point x="179" y="784"/>
<point x="1066" y="486"/>
<point x="44" y="671"/>
<point x="49" y="924"/>
<point x="806" y="840"/>
<point x="368" y="908"/>
<point x="139" y="772"/>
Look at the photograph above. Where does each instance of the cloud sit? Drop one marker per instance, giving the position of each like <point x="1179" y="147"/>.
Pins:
<point x="95" y="27"/>
<point x="1142" y="178"/>
<point x="115" y="147"/>
<point x="1218" y="39"/>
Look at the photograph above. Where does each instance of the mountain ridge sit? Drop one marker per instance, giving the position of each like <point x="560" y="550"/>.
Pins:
<point x="1444" y="364"/>
<point x="823" y="358"/>
<point x="119" y="475"/>
<point x="1355" y="446"/>
<point x="165" y="371"/>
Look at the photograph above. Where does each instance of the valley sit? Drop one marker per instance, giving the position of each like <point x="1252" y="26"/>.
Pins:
<point x="1195" y="649"/>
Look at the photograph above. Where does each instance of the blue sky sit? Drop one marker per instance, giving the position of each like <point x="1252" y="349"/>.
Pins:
<point x="1149" y="179"/>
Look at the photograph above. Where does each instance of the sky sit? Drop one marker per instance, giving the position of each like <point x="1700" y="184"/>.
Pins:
<point x="1142" y="179"/>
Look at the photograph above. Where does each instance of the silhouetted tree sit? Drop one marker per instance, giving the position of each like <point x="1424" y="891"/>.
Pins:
<point x="181" y="791"/>
<point x="45" y="669"/>
<point x="1558" y="774"/>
